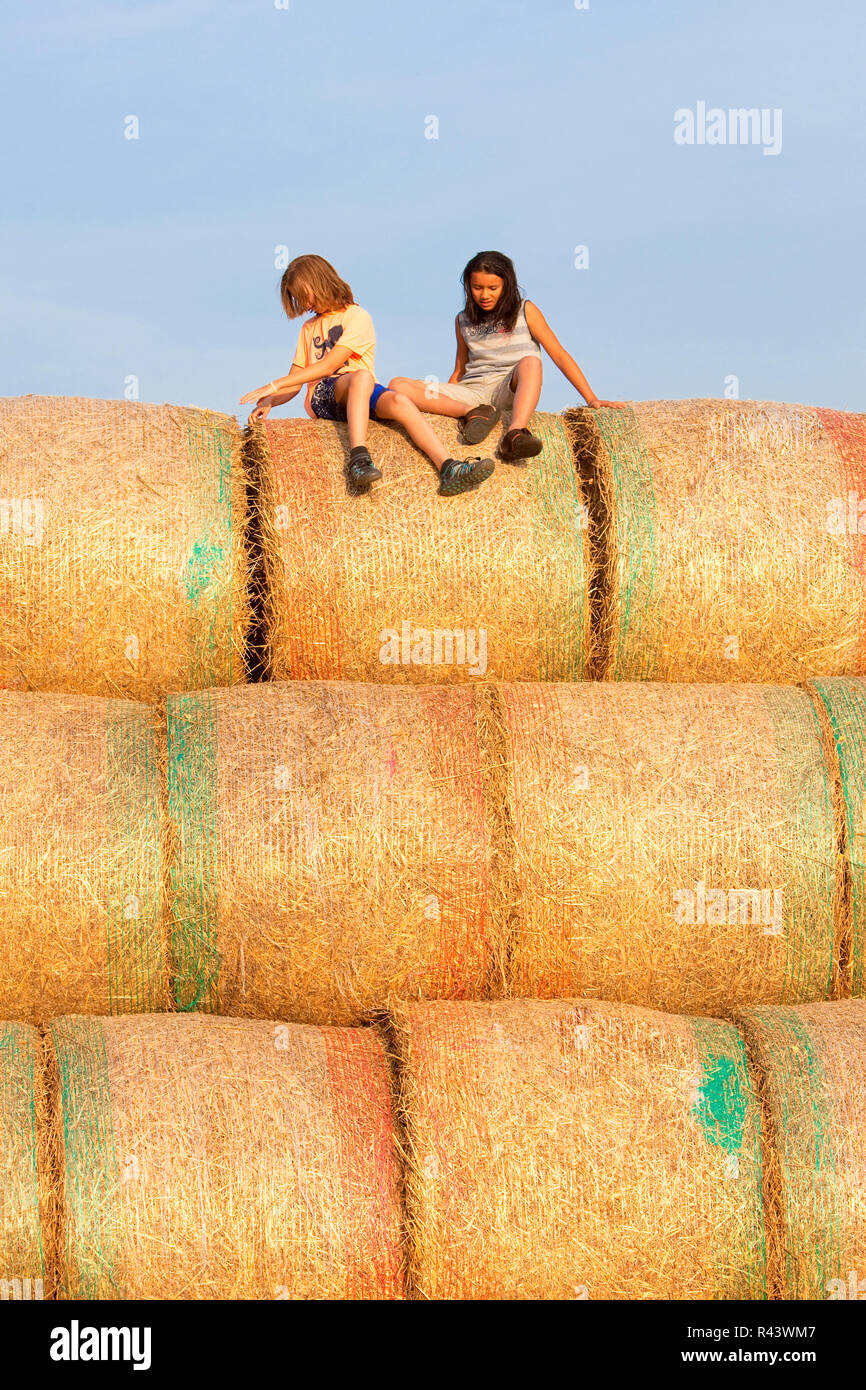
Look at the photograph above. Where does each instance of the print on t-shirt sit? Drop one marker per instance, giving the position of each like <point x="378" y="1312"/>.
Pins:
<point x="327" y="344"/>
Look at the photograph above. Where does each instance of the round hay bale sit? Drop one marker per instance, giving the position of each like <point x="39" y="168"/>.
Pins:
<point x="812" y="1066"/>
<point x="81" y="905"/>
<point x="401" y="585"/>
<point x="332" y="849"/>
<point x="568" y="1149"/>
<point x="210" y="1158"/>
<point x="122" y="567"/>
<point x="673" y="845"/>
<point x="734" y="539"/>
<point x="843" y="700"/>
<point x="23" y="1273"/>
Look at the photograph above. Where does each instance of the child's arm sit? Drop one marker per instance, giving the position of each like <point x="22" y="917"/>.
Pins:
<point x="462" y="355"/>
<point x="299" y="376"/>
<point x="544" y="334"/>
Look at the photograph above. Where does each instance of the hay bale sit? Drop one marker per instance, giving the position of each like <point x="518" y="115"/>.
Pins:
<point x="23" y="1272"/>
<point x="812" y="1064"/>
<point x="332" y="849"/>
<point x="122" y="566"/>
<point x="81" y="909"/>
<point x="843" y="701"/>
<point x="673" y="845"/>
<point x="212" y="1158"/>
<point x="568" y="1149"/>
<point x="360" y="586"/>
<point x="732" y="550"/>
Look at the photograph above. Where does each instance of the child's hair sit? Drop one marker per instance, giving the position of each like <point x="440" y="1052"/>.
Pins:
<point x="507" y="307"/>
<point x="313" y="278"/>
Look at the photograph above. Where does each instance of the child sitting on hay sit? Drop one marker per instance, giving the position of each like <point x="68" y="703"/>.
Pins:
<point x="498" y="367"/>
<point x="334" y="360"/>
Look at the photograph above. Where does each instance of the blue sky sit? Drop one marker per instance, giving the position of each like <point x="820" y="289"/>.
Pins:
<point x="304" y="127"/>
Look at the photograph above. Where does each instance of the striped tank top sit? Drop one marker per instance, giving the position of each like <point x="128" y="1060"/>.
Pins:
<point x="492" y="351"/>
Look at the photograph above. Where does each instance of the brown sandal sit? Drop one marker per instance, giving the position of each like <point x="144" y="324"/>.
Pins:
<point x="478" y="422"/>
<point x="519" y="444"/>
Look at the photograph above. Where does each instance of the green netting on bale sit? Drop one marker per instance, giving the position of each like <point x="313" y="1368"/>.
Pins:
<point x="92" y="1175"/>
<point x="21" y="1256"/>
<point x="844" y="699"/>
<point x="801" y="1102"/>
<point x="560" y="531"/>
<point x="135" y="949"/>
<point x="209" y="566"/>
<point x="808" y="889"/>
<point x="633" y="501"/>
<point x="192" y="802"/>
<point x="726" y="1111"/>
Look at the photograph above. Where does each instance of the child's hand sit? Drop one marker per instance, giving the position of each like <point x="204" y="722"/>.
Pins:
<point x="261" y="411"/>
<point x="596" y="404"/>
<point x="261" y="393"/>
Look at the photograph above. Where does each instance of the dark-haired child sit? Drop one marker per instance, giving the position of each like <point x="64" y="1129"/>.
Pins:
<point x="498" y="368"/>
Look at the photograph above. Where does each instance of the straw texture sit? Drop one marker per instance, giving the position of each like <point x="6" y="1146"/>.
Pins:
<point x="22" y="1270"/>
<point x="81" y="910"/>
<point x="567" y="1149"/>
<point x="844" y="702"/>
<point x="674" y="845"/>
<point x="122" y="567"/>
<point x="813" y="1064"/>
<point x="359" y="585"/>
<point x="211" y="1158"/>
<point x="731" y="547"/>
<point x="332" y="849"/>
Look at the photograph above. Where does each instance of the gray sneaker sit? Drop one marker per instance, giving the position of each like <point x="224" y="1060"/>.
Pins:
<point x="459" y="475"/>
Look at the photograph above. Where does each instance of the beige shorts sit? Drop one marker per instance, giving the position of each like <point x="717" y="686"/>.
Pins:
<point x="490" y="390"/>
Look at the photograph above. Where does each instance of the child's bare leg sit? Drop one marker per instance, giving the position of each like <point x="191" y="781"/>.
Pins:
<point x="420" y="393"/>
<point x="394" y="405"/>
<point x="526" y="385"/>
<point x="354" y="389"/>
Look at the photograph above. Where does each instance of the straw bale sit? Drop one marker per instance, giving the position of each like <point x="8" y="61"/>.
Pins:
<point x="674" y="845"/>
<point x="81" y="906"/>
<point x="812" y="1064"/>
<point x="332" y="849"/>
<point x="122" y="566"/>
<point x="505" y="569"/>
<point x="211" y="1158"/>
<point x="732" y="549"/>
<point x="22" y="1265"/>
<point x="571" y="1150"/>
<point x="843" y="700"/>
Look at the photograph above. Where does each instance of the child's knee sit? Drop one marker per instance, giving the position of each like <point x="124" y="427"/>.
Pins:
<point x="530" y="366"/>
<point x="398" y="383"/>
<point x="399" y="404"/>
<point x="362" y="380"/>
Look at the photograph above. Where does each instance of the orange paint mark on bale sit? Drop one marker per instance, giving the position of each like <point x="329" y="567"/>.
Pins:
<point x="362" y="1107"/>
<point x="305" y="490"/>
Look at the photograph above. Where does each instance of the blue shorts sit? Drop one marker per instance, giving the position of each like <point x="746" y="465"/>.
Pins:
<point x="324" y="404"/>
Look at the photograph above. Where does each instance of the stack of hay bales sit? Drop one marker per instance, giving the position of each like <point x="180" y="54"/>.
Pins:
<point x="25" y="1271"/>
<point x="122" y="564"/>
<point x="81" y="827"/>
<point x="671" y="845"/>
<point x="733" y="551"/>
<point x="212" y="1158"/>
<point x="569" y="1149"/>
<point x="332" y="849"/>
<point x="360" y="586"/>
<point x="812" y="1063"/>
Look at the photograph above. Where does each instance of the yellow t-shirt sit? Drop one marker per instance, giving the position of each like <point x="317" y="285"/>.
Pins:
<point x="350" y="327"/>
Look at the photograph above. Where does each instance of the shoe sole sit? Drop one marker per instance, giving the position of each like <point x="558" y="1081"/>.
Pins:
<point x="522" y="455"/>
<point x="466" y="484"/>
<point x="478" y="429"/>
